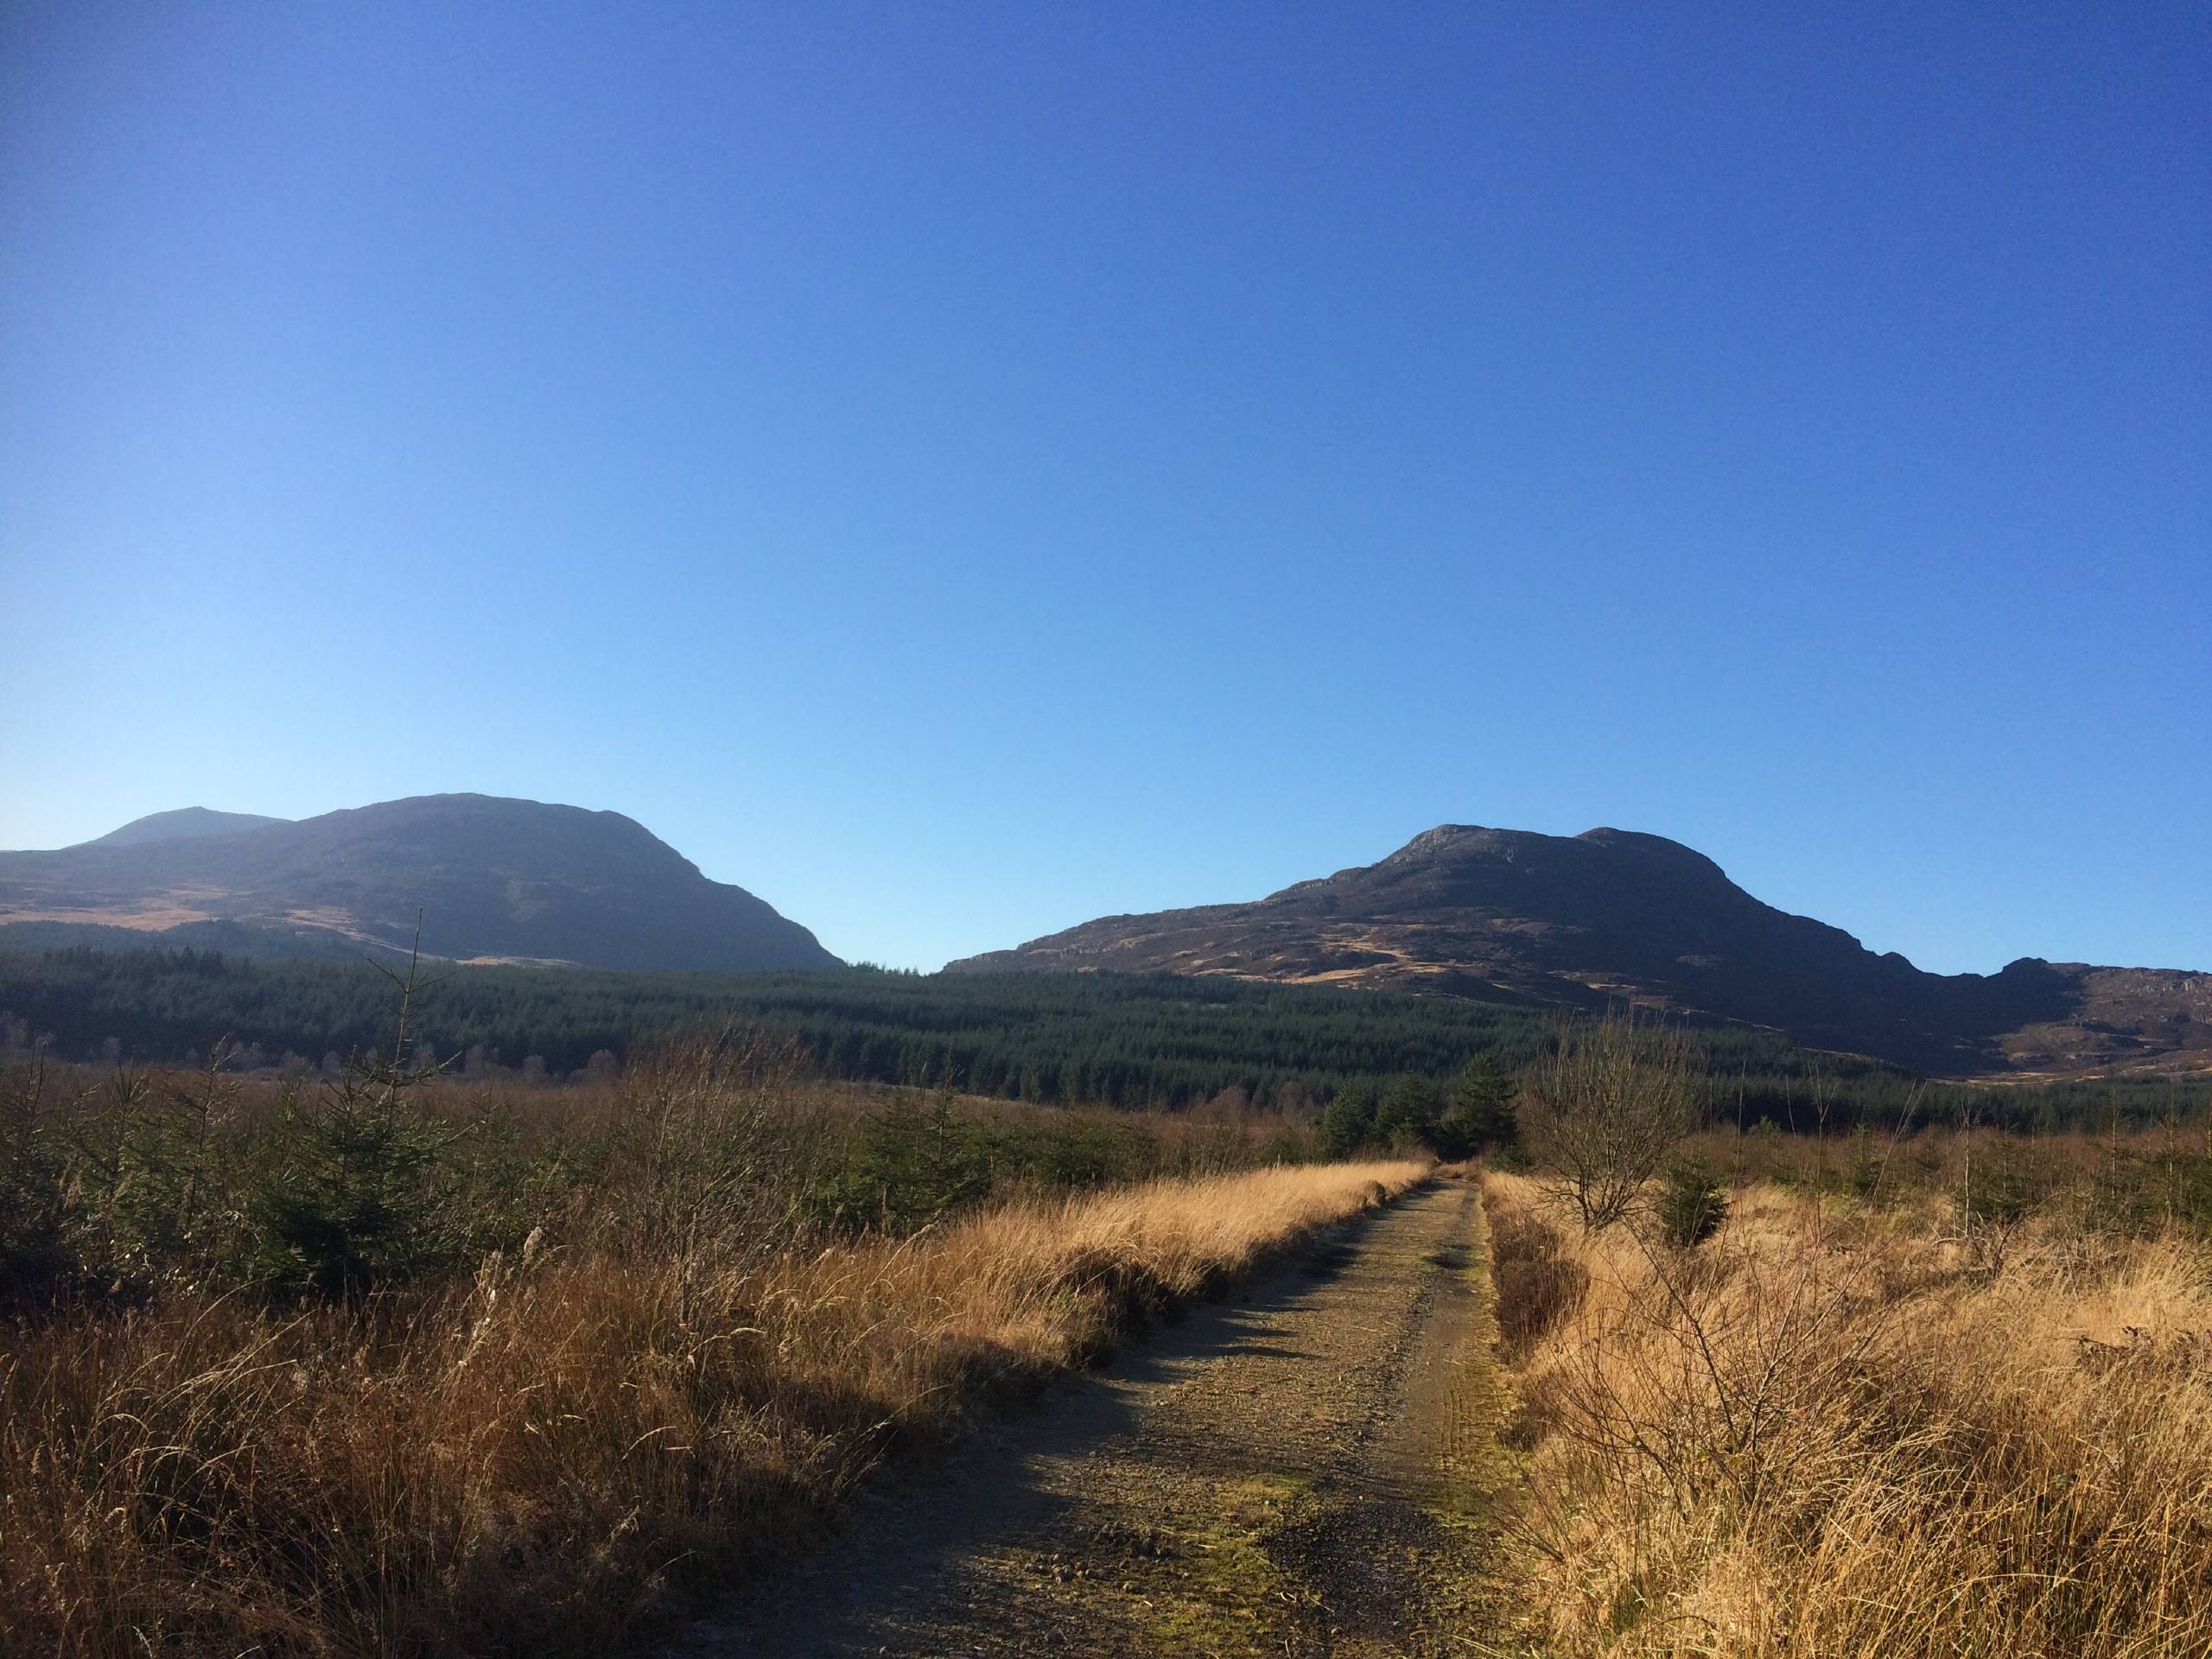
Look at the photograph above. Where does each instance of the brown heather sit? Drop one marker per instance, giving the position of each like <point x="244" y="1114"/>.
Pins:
<point x="1836" y="1430"/>
<point x="565" y="1453"/>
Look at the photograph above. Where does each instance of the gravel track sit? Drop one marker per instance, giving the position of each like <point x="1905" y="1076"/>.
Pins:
<point x="1301" y="1470"/>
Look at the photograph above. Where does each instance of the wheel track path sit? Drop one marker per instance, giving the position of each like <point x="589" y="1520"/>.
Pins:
<point x="1304" y="1469"/>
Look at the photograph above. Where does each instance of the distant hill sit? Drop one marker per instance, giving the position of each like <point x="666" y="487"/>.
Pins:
<point x="185" y="823"/>
<point x="1615" y="916"/>
<point x="493" y="879"/>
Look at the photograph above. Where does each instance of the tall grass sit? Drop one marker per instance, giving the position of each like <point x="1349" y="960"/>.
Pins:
<point x="560" y="1441"/>
<point x="1836" y="1429"/>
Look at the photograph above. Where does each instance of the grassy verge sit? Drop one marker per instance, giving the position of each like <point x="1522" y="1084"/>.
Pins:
<point x="553" y="1446"/>
<point x="1481" y="1476"/>
<point x="1838" y="1429"/>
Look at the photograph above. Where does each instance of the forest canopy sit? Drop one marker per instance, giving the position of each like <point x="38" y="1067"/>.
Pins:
<point x="1113" y="1040"/>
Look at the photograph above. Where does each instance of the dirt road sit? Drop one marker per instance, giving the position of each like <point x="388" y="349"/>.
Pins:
<point x="1302" y="1470"/>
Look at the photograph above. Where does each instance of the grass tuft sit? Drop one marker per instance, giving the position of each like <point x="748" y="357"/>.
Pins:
<point x="1836" y="1429"/>
<point x="669" y="1381"/>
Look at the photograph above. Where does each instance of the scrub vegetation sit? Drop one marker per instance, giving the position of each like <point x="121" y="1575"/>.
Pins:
<point x="390" y="1365"/>
<point x="1909" y="1394"/>
<point x="379" y="1359"/>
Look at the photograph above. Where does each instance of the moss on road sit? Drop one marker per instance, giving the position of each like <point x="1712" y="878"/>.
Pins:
<point x="1311" y="1468"/>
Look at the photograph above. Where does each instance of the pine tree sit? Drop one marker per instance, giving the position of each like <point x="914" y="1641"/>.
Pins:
<point x="1348" y="1121"/>
<point x="1482" y="1104"/>
<point x="349" y="1201"/>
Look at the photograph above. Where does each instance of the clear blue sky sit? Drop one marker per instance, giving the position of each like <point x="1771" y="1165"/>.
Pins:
<point x="956" y="471"/>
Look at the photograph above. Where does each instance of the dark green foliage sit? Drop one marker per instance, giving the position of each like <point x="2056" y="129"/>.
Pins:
<point x="2152" y="1181"/>
<point x="1405" y="1120"/>
<point x="2186" y="1181"/>
<point x="2004" y="1193"/>
<point x="1109" y="1040"/>
<point x="1481" y="1118"/>
<point x="1868" y="1168"/>
<point x="1104" y="1040"/>
<point x="32" y="1253"/>
<point x="118" y="1185"/>
<point x="911" y="1165"/>
<point x="2001" y="1185"/>
<point x="1449" y="1141"/>
<point x="350" y="1196"/>
<point x="1060" y="1151"/>
<point x="147" y="1180"/>
<point x="150" y="1172"/>
<point x="1348" y="1121"/>
<point x="1692" y="1205"/>
<point x="907" y="1165"/>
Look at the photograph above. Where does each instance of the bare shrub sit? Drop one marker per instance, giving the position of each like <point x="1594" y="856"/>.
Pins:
<point x="1833" y="1432"/>
<point x="702" y="1159"/>
<point x="1721" y="1373"/>
<point x="1601" y="1113"/>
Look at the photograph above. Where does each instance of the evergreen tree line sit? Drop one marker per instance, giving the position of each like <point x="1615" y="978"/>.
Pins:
<point x="1109" y="1040"/>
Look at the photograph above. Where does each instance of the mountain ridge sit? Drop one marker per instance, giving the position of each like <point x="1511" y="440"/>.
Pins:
<point x="185" y="823"/>
<point x="492" y="879"/>
<point x="1613" y="916"/>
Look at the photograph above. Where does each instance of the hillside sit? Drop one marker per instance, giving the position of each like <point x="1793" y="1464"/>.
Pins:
<point x="493" y="879"/>
<point x="1611" y="916"/>
<point x="185" y="823"/>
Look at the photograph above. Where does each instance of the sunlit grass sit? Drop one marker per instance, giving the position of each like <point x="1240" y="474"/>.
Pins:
<point x="1838" y="1431"/>
<point x="564" y="1451"/>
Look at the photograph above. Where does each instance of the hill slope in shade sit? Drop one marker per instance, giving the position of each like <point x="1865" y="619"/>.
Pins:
<point x="1611" y="916"/>
<point x="185" y="823"/>
<point x="492" y="879"/>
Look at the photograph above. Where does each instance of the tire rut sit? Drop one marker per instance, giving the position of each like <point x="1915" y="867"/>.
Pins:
<point x="1304" y="1469"/>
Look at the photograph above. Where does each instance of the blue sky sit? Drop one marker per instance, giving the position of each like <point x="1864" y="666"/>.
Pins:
<point x="959" y="471"/>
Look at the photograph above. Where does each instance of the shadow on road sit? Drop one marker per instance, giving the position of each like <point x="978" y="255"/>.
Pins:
<point x="916" y="1531"/>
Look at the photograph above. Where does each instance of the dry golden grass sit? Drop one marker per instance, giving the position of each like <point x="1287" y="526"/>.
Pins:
<point x="553" y="1458"/>
<point x="1836" y="1432"/>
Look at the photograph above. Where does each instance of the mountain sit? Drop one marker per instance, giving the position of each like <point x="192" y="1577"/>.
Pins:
<point x="493" y="879"/>
<point x="185" y="823"/>
<point x="1613" y="917"/>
